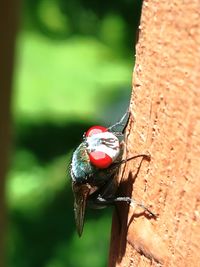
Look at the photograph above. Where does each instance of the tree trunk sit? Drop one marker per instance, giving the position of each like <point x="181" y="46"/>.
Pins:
<point x="165" y="121"/>
<point x="8" y="21"/>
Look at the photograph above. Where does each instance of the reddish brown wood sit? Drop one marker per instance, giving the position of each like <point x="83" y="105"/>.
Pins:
<point x="8" y="27"/>
<point x="165" y="120"/>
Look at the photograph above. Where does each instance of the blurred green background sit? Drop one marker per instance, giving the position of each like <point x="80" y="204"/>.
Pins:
<point x="74" y="61"/>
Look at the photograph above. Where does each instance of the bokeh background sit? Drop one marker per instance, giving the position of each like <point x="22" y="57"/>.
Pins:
<point x="73" y="69"/>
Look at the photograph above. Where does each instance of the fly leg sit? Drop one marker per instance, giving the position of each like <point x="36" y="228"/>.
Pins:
<point x="118" y="163"/>
<point x="111" y="201"/>
<point x="123" y="123"/>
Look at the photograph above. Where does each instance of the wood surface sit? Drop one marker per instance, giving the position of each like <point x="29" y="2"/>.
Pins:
<point x="165" y="122"/>
<point x="8" y="29"/>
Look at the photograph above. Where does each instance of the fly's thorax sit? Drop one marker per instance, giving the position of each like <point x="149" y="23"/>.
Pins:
<point x="80" y="164"/>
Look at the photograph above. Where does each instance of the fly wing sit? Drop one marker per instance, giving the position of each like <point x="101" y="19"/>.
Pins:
<point x="81" y="193"/>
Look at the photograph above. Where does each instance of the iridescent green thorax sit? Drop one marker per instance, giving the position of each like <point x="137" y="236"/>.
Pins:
<point x="81" y="166"/>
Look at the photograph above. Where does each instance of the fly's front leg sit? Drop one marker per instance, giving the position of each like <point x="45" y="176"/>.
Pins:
<point x="144" y="156"/>
<point x="123" y="123"/>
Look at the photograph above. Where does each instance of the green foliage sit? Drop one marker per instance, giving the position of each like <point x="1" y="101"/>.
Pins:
<point x="50" y="76"/>
<point x="70" y="69"/>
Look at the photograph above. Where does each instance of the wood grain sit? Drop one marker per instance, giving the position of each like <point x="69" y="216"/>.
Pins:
<point x="165" y="121"/>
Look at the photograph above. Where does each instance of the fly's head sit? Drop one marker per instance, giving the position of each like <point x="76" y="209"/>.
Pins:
<point x="93" y="164"/>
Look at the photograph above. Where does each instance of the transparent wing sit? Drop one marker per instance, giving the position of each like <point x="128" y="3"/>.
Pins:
<point x="81" y="193"/>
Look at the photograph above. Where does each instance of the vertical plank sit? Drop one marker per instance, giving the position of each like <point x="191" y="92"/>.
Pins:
<point x="8" y="28"/>
<point x="165" y="121"/>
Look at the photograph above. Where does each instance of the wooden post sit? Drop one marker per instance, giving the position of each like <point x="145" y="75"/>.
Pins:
<point x="8" y="29"/>
<point x="165" y="121"/>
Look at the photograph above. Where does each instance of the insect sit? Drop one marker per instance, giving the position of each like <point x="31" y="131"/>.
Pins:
<point x="93" y="167"/>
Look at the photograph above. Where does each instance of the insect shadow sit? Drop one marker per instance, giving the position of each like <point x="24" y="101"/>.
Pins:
<point x="122" y="210"/>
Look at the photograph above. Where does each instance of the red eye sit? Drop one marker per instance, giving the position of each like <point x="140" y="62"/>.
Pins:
<point x="100" y="159"/>
<point x="95" y="130"/>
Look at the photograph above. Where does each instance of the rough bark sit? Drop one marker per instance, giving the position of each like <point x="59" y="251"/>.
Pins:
<point x="8" y="19"/>
<point x="165" y="121"/>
